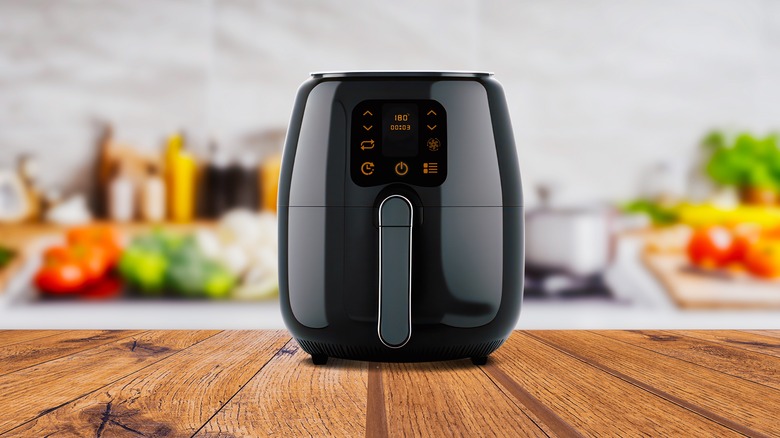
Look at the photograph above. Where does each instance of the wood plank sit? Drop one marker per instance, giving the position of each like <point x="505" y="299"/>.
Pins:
<point x="731" y="401"/>
<point x="10" y="337"/>
<point x="738" y="362"/>
<point x="34" y="391"/>
<point x="591" y="400"/>
<point x="450" y="399"/>
<point x="770" y="333"/>
<point x="376" y="412"/>
<point x="173" y="397"/>
<point x="737" y="339"/>
<point x="24" y="354"/>
<point x="550" y="422"/>
<point x="292" y="397"/>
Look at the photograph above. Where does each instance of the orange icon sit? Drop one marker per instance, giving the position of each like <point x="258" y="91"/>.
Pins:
<point x="431" y="127"/>
<point x="430" y="168"/>
<point x="433" y="144"/>
<point x="368" y="113"/>
<point x="431" y="112"/>
<point x="368" y="128"/>
<point x="401" y="168"/>
<point x="367" y="144"/>
<point x="367" y="168"/>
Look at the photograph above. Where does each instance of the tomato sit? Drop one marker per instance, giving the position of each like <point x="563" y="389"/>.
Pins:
<point x="106" y="288"/>
<point x="745" y="235"/>
<point x="103" y="236"/>
<point x="763" y="258"/>
<point x="61" y="278"/>
<point x="56" y="254"/>
<point x="711" y="247"/>
<point x="93" y="259"/>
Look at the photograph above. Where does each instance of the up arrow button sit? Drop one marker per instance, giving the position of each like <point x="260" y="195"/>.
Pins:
<point x="431" y="112"/>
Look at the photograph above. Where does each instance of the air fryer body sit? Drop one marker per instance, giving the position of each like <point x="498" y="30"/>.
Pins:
<point x="433" y="156"/>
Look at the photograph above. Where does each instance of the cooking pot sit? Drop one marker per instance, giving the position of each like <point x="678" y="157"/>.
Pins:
<point x="576" y="240"/>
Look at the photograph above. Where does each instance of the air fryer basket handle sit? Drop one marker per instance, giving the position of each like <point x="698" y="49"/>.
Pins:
<point x="395" y="271"/>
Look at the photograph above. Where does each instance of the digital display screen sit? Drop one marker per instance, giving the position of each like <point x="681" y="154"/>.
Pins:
<point x="400" y="127"/>
<point x="398" y="141"/>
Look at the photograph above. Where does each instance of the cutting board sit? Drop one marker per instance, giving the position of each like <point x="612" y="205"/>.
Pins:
<point x="694" y="289"/>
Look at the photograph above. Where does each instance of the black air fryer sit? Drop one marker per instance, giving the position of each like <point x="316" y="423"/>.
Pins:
<point x="400" y="217"/>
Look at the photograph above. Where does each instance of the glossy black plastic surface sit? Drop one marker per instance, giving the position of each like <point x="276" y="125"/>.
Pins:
<point x="466" y="252"/>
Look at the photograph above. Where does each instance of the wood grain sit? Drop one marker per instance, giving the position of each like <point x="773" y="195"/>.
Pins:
<point x="419" y="399"/>
<point x="34" y="391"/>
<point x="376" y="411"/>
<point x="748" y="341"/>
<point x="10" y="337"/>
<point x="259" y="383"/>
<point x="593" y="401"/>
<point x="770" y="333"/>
<point x="728" y="400"/>
<point x="292" y="397"/>
<point x="738" y="362"/>
<point x="173" y="397"/>
<point x="24" y="354"/>
<point x="550" y="422"/>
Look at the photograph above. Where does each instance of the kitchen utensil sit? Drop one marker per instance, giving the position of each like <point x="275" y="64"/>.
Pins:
<point x="575" y="240"/>
<point x="400" y="217"/>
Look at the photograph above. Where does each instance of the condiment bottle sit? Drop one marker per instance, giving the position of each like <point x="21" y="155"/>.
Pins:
<point x="269" y="182"/>
<point x="243" y="181"/>
<point x="216" y="184"/>
<point x="121" y="194"/>
<point x="153" y="196"/>
<point x="181" y="169"/>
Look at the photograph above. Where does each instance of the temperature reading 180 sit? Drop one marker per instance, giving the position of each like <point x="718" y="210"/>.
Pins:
<point x="400" y="126"/>
<point x="399" y="129"/>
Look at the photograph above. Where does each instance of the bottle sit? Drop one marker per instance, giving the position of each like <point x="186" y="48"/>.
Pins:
<point x="153" y="196"/>
<point x="269" y="182"/>
<point x="216" y="187"/>
<point x="181" y="169"/>
<point x="243" y="183"/>
<point x="29" y="171"/>
<point x="14" y="205"/>
<point x="121" y="195"/>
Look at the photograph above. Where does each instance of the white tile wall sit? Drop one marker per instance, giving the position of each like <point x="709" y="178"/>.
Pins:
<point x="598" y="90"/>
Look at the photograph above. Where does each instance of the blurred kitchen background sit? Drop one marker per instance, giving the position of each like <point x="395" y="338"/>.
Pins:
<point x="140" y="148"/>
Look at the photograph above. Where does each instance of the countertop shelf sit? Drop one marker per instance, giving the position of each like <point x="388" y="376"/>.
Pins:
<point x="259" y="383"/>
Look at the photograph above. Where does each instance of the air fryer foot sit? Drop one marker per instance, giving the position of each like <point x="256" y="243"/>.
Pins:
<point x="319" y="359"/>
<point x="479" y="360"/>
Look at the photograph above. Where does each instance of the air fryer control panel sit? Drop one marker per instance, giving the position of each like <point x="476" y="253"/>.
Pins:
<point x="398" y="141"/>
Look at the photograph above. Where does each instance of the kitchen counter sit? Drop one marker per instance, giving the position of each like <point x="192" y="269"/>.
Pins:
<point x="259" y="383"/>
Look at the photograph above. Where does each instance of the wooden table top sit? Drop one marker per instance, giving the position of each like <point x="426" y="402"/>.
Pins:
<point x="259" y="383"/>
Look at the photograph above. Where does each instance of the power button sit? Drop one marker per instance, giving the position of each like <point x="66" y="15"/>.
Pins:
<point x="401" y="168"/>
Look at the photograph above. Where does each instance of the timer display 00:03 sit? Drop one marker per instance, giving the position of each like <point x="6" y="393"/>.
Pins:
<point x="401" y="127"/>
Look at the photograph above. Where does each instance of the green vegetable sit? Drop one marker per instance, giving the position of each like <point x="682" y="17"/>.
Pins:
<point x="658" y="213"/>
<point x="6" y="255"/>
<point x="160" y="261"/>
<point x="144" y="268"/>
<point x="197" y="277"/>
<point x="219" y="281"/>
<point x="748" y="162"/>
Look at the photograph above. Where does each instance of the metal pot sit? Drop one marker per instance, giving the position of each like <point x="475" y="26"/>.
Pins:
<point x="577" y="241"/>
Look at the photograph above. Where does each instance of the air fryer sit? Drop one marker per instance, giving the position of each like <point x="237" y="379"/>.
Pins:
<point x="400" y="217"/>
